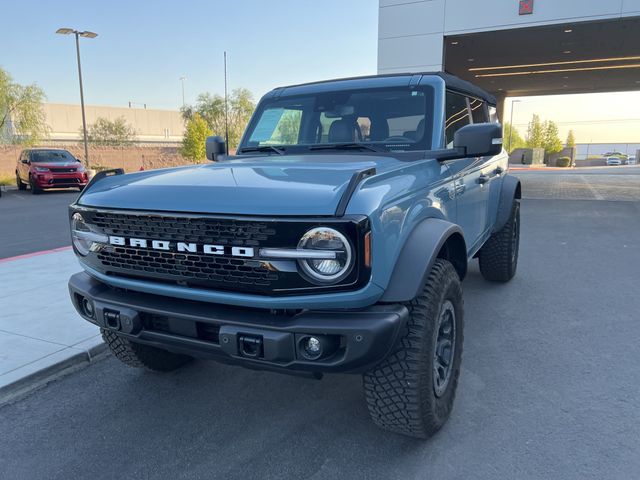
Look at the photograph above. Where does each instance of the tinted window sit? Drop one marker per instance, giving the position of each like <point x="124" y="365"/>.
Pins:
<point x="457" y="115"/>
<point x="478" y="111"/>
<point x="41" y="156"/>
<point x="394" y="119"/>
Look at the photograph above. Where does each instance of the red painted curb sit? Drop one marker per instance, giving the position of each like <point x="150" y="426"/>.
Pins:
<point x="34" y="254"/>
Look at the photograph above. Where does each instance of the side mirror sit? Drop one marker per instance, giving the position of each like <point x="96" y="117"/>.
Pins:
<point x="25" y="161"/>
<point x="479" y="139"/>
<point x="215" y="147"/>
<point x="78" y="160"/>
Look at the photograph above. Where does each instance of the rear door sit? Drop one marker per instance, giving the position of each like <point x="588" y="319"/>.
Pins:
<point x="472" y="175"/>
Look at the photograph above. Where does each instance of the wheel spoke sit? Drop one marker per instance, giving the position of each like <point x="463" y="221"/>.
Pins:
<point x="444" y="348"/>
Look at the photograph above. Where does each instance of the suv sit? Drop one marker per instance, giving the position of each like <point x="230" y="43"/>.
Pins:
<point x="43" y="168"/>
<point x="335" y="240"/>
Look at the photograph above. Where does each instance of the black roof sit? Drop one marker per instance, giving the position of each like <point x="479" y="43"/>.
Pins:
<point x="396" y="79"/>
<point x="459" y="85"/>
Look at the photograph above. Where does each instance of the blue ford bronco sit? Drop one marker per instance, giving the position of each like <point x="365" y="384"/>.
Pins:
<point x="336" y="239"/>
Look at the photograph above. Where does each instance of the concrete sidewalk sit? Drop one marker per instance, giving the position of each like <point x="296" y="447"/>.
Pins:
<point x="41" y="335"/>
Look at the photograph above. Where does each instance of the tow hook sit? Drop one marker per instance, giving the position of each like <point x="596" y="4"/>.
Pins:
<point x="250" y="346"/>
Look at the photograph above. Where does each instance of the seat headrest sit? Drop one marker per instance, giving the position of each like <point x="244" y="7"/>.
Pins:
<point x="342" y="131"/>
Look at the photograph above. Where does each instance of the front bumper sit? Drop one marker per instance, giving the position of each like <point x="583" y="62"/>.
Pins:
<point x="352" y="340"/>
<point x="60" y="180"/>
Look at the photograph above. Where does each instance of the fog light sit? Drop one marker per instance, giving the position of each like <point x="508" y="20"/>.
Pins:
<point x="312" y="347"/>
<point x="87" y="306"/>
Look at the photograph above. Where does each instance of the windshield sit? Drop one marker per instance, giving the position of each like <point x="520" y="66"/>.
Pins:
<point x="398" y="120"/>
<point x="49" y="156"/>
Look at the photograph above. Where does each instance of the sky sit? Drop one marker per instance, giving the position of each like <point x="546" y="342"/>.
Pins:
<point x="144" y="47"/>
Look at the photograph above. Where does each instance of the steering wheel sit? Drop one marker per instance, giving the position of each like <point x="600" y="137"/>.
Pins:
<point x="398" y="138"/>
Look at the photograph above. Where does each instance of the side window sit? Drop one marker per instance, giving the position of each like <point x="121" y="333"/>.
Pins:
<point x="457" y="116"/>
<point x="478" y="111"/>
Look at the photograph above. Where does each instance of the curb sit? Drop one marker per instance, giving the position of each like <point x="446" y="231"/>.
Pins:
<point x="26" y="385"/>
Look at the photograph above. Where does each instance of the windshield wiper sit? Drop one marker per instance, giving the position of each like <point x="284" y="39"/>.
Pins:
<point x="346" y="146"/>
<point x="263" y="148"/>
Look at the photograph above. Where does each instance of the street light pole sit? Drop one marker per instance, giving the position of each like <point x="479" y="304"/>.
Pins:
<point x="511" y="125"/>
<point x="78" y="34"/>
<point x="182" y="79"/>
<point x="84" y="118"/>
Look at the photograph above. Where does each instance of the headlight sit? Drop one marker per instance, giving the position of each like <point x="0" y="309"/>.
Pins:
<point x="42" y="169"/>
<point x="84" y="237"/>
<point x="325" y="270"/>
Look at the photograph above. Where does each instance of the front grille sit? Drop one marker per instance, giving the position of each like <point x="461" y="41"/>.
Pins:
<point x="188" y="268"/>
<point x="64" y="181"/>
<point x="185" y="229"/>
<point x="198" y="269"/>
<point x="62" y="170"/>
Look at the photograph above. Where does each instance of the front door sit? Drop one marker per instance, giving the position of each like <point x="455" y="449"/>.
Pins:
<point x="472" y="175"/>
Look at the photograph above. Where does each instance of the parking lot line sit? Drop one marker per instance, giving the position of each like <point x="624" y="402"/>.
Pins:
<point x="35" y="254"/>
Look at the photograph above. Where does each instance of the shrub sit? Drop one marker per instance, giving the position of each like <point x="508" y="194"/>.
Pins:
<point x="563" y="162"/>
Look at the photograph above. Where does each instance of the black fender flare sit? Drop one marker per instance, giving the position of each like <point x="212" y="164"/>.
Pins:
<point x="511" y="190"/>
<point x="418" y="255"/>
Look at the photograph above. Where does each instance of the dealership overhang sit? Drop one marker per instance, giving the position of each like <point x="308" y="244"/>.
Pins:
<point x="584" y="57"/>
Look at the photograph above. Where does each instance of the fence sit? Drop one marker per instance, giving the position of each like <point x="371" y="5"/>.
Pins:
<point x="129" y="158"/>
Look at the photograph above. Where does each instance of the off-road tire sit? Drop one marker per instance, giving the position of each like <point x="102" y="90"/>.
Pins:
<point x="20" y="184"/>
<point x="143" y="356"/>
<point x="499" y="256"/>
<point x="400" y="391"/>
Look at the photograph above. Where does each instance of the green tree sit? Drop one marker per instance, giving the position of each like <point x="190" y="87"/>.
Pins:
<point x="571" y="140"/>
<point x="288" y="128"/>
<point x="193" y="143"/>
<point x="535" y="133"/>
<point x="512" y="138"/>
<point x="22" y="118"/>
<point x="211" y="109"/>
<point x="110" y="133"/>
<point x="551" y="138"/>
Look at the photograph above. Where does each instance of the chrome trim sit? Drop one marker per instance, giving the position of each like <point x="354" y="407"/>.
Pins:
<point x="297" y="253"/>
<point x="91" y="236"/>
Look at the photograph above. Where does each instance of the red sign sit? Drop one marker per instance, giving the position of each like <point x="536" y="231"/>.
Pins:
<point x="526" y="7"/>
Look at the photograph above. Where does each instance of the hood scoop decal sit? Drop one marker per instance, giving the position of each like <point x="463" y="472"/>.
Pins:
<point x="356" y="178"/>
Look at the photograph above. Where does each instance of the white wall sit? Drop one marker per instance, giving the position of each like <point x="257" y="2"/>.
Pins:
<point x="411" y="33"/>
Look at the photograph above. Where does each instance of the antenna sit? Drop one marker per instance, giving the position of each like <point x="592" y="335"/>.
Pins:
<point x="226" y="108"/>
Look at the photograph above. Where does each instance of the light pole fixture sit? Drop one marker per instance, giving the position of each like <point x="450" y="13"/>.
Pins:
<point x="78" y="34"/>
<point x="511" y="125"/>
<point x="182" y="79"/>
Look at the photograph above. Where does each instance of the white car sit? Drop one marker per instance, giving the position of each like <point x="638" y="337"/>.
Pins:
<point x="631" y="160"/>
<point x="613" y="161"/>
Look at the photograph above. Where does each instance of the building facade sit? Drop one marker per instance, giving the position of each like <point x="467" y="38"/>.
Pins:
<point x="153" y="127"/>
<point x="516" y="47"/>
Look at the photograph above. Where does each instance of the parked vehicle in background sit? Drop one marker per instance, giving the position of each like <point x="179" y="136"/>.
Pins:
<point x="631" y="160"/>
<point x="335" y="240"/>
<point x="45" y="168"/>
<point x="613" y="161"/>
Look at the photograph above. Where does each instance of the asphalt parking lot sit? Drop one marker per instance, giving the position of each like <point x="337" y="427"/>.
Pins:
<point x="549" y="387"/>
<point x="32" y="223"/>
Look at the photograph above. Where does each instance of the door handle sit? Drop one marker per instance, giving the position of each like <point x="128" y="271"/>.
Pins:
<point x="482" y="179"/>
<point x="460" y="189"/>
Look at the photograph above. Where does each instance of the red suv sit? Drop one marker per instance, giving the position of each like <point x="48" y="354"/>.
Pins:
<point x="43" y="168"/>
